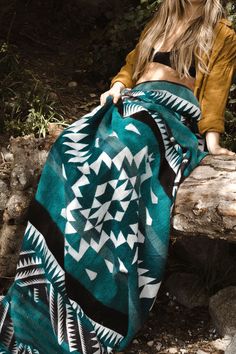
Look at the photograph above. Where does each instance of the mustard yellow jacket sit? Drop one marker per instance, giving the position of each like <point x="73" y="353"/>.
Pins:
<point x="210" y="89"/>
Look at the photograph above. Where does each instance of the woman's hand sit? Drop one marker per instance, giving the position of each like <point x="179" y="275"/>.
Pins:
<point x="213" y="145"/>
<point x="115" y="92"/>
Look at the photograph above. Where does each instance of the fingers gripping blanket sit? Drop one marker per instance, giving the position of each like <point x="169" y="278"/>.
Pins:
<point x="95" y="246"/>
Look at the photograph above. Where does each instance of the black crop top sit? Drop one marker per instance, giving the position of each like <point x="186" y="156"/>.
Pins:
<point x="164" y="58"/>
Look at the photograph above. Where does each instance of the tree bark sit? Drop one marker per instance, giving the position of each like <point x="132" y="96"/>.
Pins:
<point x="206" y="200"/>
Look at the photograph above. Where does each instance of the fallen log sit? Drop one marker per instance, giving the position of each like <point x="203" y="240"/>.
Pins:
<point x="205" y="204"/>
<point x="206" y="200"/>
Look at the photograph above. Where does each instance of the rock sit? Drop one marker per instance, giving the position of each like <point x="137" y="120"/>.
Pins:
<point x="158" y="346"/>
<point x="17" y="189"/>
<point x="201" y="352"/>
<point x="187" y="289"/>
<point x="41" y="159"/>
<point x="4" y="194"/>
<point x="135" y="341"/>
<point x="10" y="243"/>
<point x="28" y="149"/>
<point x="54" y="130"/>
<point x="17" y="207"/>
<point x="72" y="84"/>
<point x="173" y="350"/>
<point x="7" y="155"/>
<point x="222" y="343"/>
<point x="206" y="256"/>
<point x="231" y="349"/>
<point x="11" y="239"/>
<point x="150" y="343"/>
<point x="22" y="177"/>
<point x="53" y="96"/>
<point x="201" y="251"/>
<point x="221" y="305"/>
<point x="29" y="157"/>
<point x="8" y="265"/>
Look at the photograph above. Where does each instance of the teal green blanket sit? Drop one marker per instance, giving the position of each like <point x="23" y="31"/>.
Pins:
<point x="96" y="243"/>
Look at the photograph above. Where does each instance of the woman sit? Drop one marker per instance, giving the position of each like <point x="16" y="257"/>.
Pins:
<point x="190" y="22"/>
<point x="95" y="247"/>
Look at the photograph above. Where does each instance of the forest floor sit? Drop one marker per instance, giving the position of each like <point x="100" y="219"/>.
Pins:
<point x="171" y="327"/>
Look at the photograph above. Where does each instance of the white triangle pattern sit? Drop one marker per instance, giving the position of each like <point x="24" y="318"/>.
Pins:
<point x="132" y="108"/>
<point x="53" y="269"/>
<point x="132" y="239"/>
<point x="8" y="332"/>
<point x="149" y="291"/>
<point x="177" y="102"/>
<point x="33" y="260"/>
<point x="64" y="172"/>
<point x="148" y="218"/>
<point x="122" y="267"/>
<point x="107" y="334"/>
<point x="60" y="311"/>
<point x="81" y="335"/>
<point x="91" y="274"/>
<point x="4" y="314"/>
<point x="131" y="127"/>
<point x="109" y="265"/>
<point x="127" y="93"/>
<point x="30" y="273"/>
<point x="135" y="259"/>
<point x="77" y="255"/>
<point x="171" y="154"/>
<point x="70" y="329"/>
<point x="154" y="197"/>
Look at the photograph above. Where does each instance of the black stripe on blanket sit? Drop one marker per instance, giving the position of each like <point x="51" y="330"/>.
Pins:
<point x="167" y="178"/>
<point x="113" y="319"/>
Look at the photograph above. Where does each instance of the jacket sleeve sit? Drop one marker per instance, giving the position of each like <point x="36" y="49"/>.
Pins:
<point x="126" y="72"/>
<point x="217" y="86"/>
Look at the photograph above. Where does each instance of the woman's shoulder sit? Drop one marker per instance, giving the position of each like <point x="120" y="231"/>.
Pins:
<point x="225" y="22"/>
<point x="225" y="36"/>
<point x="225" y="27"/>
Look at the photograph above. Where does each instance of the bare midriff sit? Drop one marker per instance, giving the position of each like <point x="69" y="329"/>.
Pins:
<point x="157" y="71"/>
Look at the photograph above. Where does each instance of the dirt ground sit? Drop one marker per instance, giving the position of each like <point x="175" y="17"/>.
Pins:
<point x="171" y="328"/>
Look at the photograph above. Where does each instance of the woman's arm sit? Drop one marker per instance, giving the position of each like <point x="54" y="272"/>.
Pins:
<point x="126" y="72"/>
<point x="115" y="92"/>
<point x="213" y="145"/>
<point x="216" y="92"/>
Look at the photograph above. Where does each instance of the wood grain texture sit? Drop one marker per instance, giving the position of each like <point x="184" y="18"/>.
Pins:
<point x="206" y="200"/>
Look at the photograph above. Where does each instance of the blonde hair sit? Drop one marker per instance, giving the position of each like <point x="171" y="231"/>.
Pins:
<point x="196" y="40"/>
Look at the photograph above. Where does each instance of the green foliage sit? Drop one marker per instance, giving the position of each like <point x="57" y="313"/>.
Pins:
<point x="25" y="103"/>
<point x="107" y="31"/>
<point x="231" y="10"/>
<point x="229" y="137"/>
<point x="117" y="38"/>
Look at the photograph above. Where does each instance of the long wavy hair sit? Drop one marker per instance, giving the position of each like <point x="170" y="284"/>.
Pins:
<point x="196" y="41"/>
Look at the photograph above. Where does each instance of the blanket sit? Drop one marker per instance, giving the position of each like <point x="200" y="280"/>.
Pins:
<point x="96" y="243"/>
